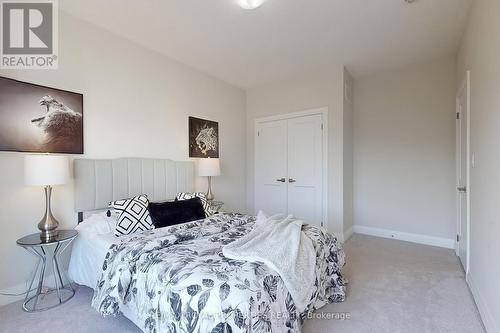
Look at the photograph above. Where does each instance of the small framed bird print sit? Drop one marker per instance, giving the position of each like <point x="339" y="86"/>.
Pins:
<point x="40" y="119"/>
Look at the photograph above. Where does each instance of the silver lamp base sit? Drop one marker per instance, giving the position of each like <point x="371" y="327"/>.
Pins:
<point x="48" y="225"/>
<point x="210" y="195"/>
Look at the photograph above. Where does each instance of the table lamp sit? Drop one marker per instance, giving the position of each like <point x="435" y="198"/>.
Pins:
<point x="46" y="170"/>
<point x="209" y="167"/>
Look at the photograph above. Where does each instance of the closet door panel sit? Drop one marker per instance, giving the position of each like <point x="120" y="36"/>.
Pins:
<point x="270" y="167"/>
<point x="305" y="168"/>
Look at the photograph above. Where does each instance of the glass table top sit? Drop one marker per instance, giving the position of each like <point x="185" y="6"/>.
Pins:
<point x="35" y="240"/>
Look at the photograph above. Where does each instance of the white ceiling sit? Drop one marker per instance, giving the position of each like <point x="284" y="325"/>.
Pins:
<point x="283" y="38"/>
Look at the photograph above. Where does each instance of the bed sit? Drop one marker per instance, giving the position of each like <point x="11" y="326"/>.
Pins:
<point x="176" y="279"/>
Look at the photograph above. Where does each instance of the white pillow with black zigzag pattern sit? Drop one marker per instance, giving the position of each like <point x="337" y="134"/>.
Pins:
<point x="132" y="215"/>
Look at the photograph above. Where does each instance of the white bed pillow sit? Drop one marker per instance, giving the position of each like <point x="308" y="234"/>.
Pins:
<point x="97" y="224"/>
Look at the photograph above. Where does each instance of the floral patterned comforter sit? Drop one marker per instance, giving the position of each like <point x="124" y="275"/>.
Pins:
<point x="177" y="280"/>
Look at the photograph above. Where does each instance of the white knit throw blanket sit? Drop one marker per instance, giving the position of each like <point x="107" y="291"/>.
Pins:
<point x="280" y="243"/>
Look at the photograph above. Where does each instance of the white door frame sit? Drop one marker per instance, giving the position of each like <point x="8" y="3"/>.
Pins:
<point x="323" y="111"/>
<point x="465" y="87"/>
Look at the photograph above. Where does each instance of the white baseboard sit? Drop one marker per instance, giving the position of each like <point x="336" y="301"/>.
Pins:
<point x="20" y="288"/>
<point x="484" y="311"/>
<point x="4" y="300"/>
<point x="405" y="236"/>
<point x="347" y="234"/>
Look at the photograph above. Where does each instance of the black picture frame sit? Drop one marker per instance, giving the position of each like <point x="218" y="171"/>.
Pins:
<point x="24" y="126"/>
<point x="203" y="138"/>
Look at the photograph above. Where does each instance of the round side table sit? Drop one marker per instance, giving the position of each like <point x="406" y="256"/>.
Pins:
<point x="216" y="206"/>
<point x="48" y="252"/>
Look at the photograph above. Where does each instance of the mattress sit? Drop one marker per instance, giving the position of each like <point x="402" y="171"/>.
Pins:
<point x="87" y="257"/>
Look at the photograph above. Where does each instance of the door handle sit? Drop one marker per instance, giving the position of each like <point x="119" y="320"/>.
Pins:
<point x="462" y="189"/>
<point x="281" y="180"/>
<point x="291" y="180"/>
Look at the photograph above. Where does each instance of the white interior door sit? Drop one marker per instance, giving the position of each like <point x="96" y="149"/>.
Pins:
<point x="289" y="167"/>
<point x="463" y="173"/>
<point x="305" y="168"/>
<point x="271" y="167"/>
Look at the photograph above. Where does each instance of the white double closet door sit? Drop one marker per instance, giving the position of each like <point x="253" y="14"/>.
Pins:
<point x="289" y="167"/>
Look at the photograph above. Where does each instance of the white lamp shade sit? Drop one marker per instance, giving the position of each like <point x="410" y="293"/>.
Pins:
<point x="208" y="167"/>
<point x="43" y="170"/>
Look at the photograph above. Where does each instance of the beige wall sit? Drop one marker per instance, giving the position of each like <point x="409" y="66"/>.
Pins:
<point x="136" y="104"/>
<point x="480" y="53"/>
<point x="404" y="150"/>
<point x="299" y="94"/>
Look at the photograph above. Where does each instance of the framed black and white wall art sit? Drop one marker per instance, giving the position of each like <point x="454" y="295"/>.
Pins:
<point x="40" y="119"/>
<point x="203" y="138"/>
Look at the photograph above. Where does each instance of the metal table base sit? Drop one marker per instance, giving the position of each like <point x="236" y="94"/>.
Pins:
<point x="64" y="292"/>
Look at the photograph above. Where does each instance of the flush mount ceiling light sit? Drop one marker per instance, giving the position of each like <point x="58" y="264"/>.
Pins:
<point x="250" y="4"/>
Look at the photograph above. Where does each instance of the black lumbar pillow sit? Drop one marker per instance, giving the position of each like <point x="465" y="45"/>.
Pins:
<point x="169" y="213"/>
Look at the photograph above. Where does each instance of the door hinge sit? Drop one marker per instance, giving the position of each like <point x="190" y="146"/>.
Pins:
<point x="258" y="133"/>
<point x="458" y="115"/>
<point x="458" y="238"/>
<point x="321" y="126"/>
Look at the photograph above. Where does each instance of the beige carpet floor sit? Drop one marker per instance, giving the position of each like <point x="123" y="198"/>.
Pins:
<point x="394" y="287"/>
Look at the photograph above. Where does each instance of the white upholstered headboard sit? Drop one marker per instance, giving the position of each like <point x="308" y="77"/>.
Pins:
<point x="97" y="182"/>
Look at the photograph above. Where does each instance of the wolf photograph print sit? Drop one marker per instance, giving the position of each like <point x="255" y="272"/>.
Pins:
<point x="40" y="119"/>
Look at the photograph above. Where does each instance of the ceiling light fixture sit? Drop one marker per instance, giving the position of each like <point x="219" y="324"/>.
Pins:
<point x="250" y="4"/>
